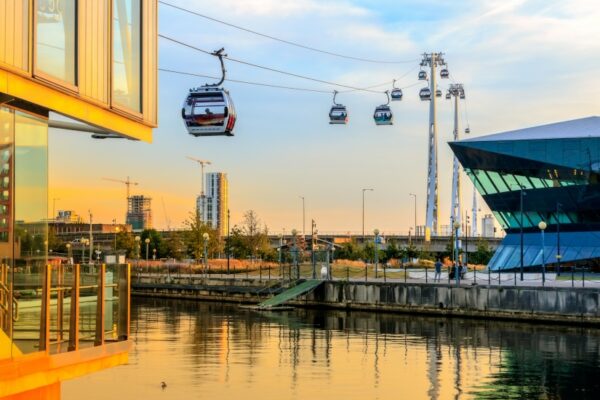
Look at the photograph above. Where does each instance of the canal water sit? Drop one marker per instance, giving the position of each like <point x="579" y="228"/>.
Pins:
<point x="216" y="351"/>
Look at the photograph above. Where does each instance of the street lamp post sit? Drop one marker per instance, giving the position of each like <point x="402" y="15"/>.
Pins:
<point x="228" y="240"/>
<point x="69" y="253"/>
<point x="205" y="236"/>
<point x="457" y="272"/>
<point x="376" y="258"/>
<point x="295" y="253"/>
<point x="542" y="225"/>
<point x="521" y="230"/>
<point x="363" y="212"/>
<point x="147" y="241"/>
<point x="116" y="232"/>
<point x="415" y="225"/>
<point x="137" y="252"/>
<point x="303" y="217"/>
<point x="558" y="256"/>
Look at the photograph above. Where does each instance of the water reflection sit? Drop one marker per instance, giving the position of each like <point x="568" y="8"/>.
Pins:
<point x="203" y="350"/>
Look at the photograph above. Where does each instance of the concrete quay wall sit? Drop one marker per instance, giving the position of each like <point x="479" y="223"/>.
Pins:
<point x="548" y="304"/>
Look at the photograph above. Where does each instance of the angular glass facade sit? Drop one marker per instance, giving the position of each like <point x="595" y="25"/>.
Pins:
<point x="555" y="169"/>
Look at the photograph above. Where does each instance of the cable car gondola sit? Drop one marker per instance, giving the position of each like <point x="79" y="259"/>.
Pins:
<point x="448" y="95"/>
<point x="209" y="110"/>
<point x="462" y="94"/>
<point x="444" y="74"/>
<point x="422" y="75"/>
<point x="438" y="92"/>
<point x="467" y="130"/>
<point x="338" y="115"/>
<point x="425" y="94"/>
<point x="383" y="113"/>
<point x="396" y="94"/>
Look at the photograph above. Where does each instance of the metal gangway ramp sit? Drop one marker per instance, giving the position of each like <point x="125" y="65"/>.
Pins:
<point x="293" y="292"/>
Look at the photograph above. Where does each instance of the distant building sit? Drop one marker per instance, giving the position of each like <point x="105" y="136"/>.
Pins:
<point x="139" y="213"/>
<point x="213" y="205"/>
<point x="487" y="226"/>
<point x="68" y="217"/>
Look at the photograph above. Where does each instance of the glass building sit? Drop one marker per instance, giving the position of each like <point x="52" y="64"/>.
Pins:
<point x="547" y="173"/>
<point x="88" y="66"/>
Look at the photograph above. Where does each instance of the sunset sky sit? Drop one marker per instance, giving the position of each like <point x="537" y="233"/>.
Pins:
<point x="523" y="63"/>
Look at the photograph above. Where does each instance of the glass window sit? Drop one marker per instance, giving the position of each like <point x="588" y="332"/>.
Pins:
<point x="511" y="182"/>
<point x="485" y="182"/>
<point x="524" y="182"/>
<point x="127" y="45"/>
<point x="498" y="181"/>
<point x="537" y="182"/>
<point x="56" y="39"/>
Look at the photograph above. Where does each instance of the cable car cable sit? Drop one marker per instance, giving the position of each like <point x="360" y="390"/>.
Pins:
<point x="268" y="68"/>
<point x="288" y="42"/>
<point x="245" y="82"/>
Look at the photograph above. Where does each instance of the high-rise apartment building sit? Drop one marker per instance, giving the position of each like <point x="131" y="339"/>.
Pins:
<point x="139" y="212"/>
<point x="487" y="226"/>
<point x="213" y="205"/>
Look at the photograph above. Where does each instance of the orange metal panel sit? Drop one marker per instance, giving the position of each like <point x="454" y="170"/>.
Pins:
<point x="14" y="33"/>
<point x="93" y="47"/>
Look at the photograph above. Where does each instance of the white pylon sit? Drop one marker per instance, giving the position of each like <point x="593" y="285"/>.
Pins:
<point x="457" y="92"/>
<point x="431" y="214"/>
<point x="474" y="231"/>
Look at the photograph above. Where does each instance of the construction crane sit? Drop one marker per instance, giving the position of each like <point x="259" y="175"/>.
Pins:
<point x="202" y="164"/>
<point x="127" y="183"/>
<point x="167" y="220"/>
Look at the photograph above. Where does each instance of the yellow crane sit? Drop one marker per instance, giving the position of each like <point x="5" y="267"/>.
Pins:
<point x="127" y="183"/>
<point x="202" y="164"/>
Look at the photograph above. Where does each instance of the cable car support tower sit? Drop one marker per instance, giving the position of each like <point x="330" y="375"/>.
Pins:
<point x="432" y="60"/>
<point x="456" y="91"/>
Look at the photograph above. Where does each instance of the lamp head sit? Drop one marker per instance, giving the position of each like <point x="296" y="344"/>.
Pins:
<point x="542" y="225"/>
<point x="376" y="232"/>
<point x="147" y="240"/>
<point x="205" y="236"/>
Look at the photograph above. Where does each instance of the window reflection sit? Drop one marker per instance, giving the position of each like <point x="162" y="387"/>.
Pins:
<point x="56" y="39"/>
<point x="127" y="54"/>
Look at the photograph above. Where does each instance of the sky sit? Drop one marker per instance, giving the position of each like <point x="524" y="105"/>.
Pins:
<point x="523" y="63"/>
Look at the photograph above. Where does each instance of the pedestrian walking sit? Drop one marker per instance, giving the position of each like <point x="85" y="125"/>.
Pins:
<point x="438" y="271"/>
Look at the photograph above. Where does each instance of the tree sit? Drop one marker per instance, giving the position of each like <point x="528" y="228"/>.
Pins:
<point x="173" y="245"/>
<point x="126" y="242"/>
<point x="483" y="254"/>
<point x="155" y="243"/>
<point x="194" y="237"/>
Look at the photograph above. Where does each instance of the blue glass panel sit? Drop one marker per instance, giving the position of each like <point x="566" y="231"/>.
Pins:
<point x="570" y="253"/>
<point x="504" y="252"/>
<point x="533" y="256"/>
<point x="549" y="254"/>
<point x="585" y="253"/>
<point x="515" y="258"/>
